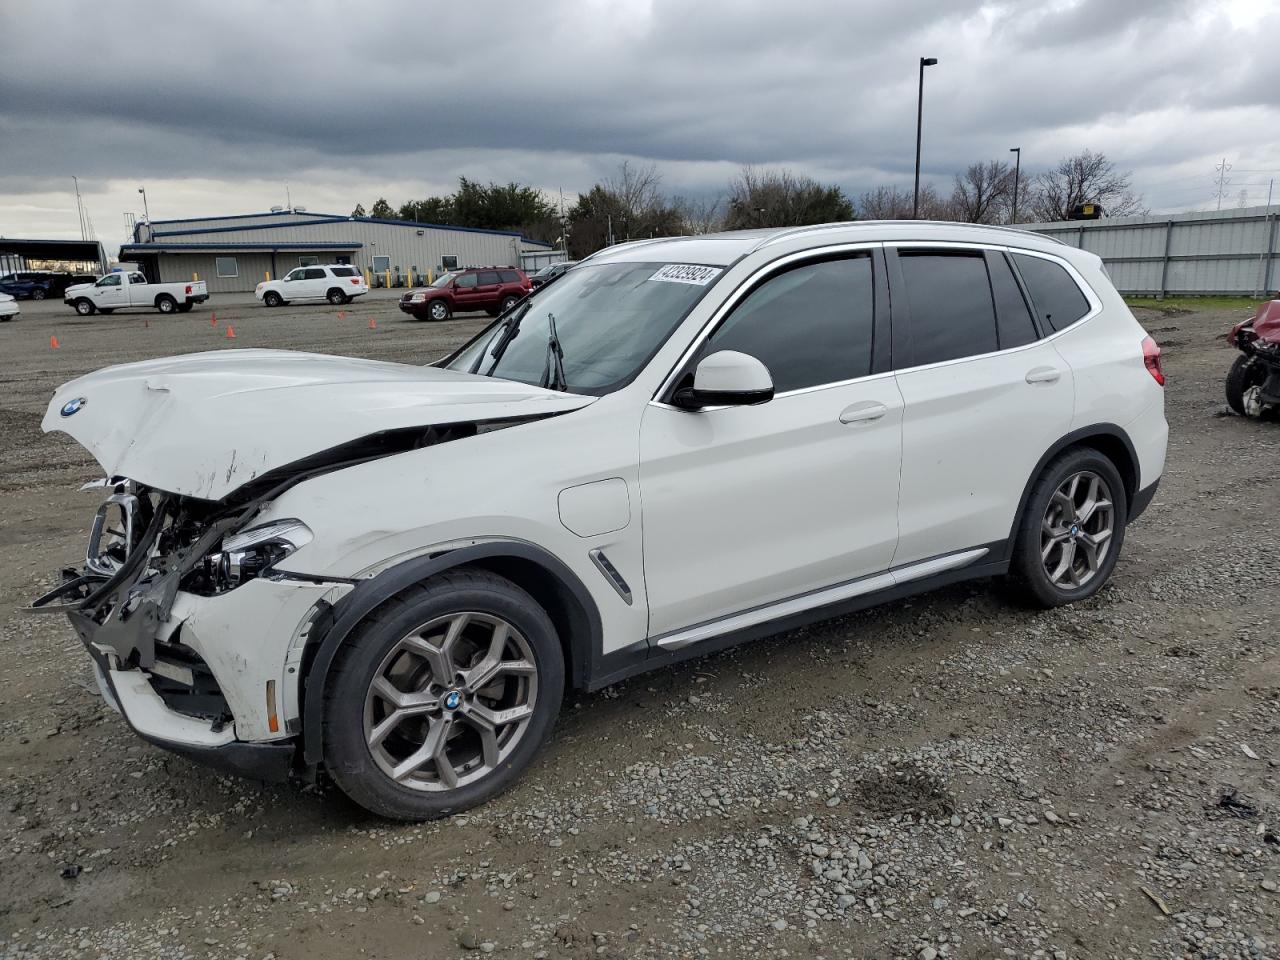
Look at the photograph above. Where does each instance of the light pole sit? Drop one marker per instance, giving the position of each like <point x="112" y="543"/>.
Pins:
<point x="915" y="195"/>
<point x="146" y="213"/>
<point x="1017" y="176"/>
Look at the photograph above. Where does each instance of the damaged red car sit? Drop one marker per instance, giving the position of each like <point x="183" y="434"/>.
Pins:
<point x="1253" y="383"/>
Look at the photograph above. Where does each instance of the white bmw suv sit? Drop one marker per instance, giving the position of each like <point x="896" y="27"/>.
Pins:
<point x="335" y="282"/>
<point x="395" y="572"/>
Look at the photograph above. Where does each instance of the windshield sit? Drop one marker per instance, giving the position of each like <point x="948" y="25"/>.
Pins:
<point x="609" y="318"/>
<point x="443" y="279"/>
<point x="548" y="270"/>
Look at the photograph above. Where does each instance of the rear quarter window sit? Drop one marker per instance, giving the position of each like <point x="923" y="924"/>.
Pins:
<point x="343" y="271"/>
<point x="1058" y="300"/>
<point x="509" y="276"/>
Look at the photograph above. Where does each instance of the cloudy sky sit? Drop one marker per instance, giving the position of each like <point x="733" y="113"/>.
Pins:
<point x="215" y="106"/>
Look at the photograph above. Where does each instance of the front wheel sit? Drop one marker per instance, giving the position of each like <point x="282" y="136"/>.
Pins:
<point x="166" y="304"/>
<point x="441" y="699"/>
<point x="1244" y="376"/>
<point x="272" y="299"/>
<point x="85" y="307"/>
<point x="37" y="294"/>
<point x="1072" y="529"/>
<point x="439" y="310"/>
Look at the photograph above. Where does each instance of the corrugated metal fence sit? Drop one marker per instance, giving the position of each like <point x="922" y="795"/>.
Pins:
<point x="1229" y="252"/>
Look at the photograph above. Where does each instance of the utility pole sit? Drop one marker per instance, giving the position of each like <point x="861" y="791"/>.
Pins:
<point x="1223" y="169"/>
<point x="80" y="209"/>
<point x="1017" y="176"/>
<point x="915" y="195"/>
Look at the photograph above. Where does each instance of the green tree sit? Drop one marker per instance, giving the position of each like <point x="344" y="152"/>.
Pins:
<point x="359" y="211"/>
<point x="780" y="198"/>
<point x="430" y="210"/>
<point x="382" y="210"/>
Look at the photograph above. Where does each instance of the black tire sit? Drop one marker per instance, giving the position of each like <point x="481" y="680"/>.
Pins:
<point x="166" y="304"/>
<point x="438" y="310"/>
<point x="1028" y="568"/>
<point x="186" y="307"/>
<point x="337" y="297"/>
<point x="272" y="299"/>
<point x="1246" y="372"/>
<point x="38" y="294"/>
<point x="507" y="303"/>
<point x="348" y="757"/>
<point x="85" y="307"/>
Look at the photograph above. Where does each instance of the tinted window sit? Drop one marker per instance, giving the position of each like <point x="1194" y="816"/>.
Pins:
<point x="1058" y="301"/>
<point x="509" y="276"/>
<point x="343" y="271"/>
<point x="487" y="277"/>
<point x="1013" y="319"/>
<point x="809" y="326"/>
<point x="952" y="314"/>
<point x="314" y="273"/>
<point x="466" y="280"/>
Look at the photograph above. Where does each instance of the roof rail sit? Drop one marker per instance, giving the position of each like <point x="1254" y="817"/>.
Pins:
<point x="814" y="228"/>
<point x="628" y="243"/>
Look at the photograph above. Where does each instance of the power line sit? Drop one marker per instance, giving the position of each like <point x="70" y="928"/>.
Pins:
<point x="1223" y="179"/>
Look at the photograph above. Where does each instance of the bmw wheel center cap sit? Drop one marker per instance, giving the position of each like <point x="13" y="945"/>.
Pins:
<point x="452" y="700"/>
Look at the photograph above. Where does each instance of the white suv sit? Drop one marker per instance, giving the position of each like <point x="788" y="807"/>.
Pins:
<point x="397" y="571"/>
<point x="335" y="282"/>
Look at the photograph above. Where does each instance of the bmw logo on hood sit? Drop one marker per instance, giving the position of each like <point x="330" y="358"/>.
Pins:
<point x="72" y="407"/>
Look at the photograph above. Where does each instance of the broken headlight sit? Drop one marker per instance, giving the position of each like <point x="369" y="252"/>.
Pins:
<point x="247" y="554"/>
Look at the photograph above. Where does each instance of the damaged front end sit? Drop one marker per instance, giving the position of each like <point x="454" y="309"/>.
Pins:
<point x="189" y="671"/>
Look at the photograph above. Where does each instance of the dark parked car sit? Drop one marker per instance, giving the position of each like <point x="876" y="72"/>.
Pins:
<point x="550" y="272"/>
<point x="36" y="284"/>
<point x="494" y="290"/>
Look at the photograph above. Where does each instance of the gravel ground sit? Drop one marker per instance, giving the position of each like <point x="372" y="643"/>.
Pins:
<point x="951" y="776"/>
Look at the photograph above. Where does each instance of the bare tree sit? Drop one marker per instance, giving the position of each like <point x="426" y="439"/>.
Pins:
<point x="983" y="192"/>
<point x="1086" y="177"/>
<point x="637" y="190"/>
<point x="699" y="216"/>
<point x="892" y="203"/>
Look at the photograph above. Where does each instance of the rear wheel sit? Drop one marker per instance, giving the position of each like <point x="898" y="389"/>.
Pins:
<point x="85" y="307"/>
<point x="508" y="302"/>
<point x="185" y="307"/>
<point x="336" y="297"/>
<point x="272" y="299"/>
<point x="438" y="310"/>
<point x="166" y="304"/>
<point x="1246" y="374"/>
<point x="1072" y="529"/>
<point x="441" y="698"/>
<point x="37" y="294"/>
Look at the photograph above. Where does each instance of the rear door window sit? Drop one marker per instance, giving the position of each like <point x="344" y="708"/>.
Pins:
<point x="811" y="325"/>
<point x="1059" y="301"/>
<point x="1013" y="318"/>
<point x="952" y="314"/>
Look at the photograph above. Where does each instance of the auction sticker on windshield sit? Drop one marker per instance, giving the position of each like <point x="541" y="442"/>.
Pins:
<point x="686" y="273"/>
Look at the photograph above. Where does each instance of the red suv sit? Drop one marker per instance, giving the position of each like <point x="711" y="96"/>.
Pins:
<point x="491" y="289"/>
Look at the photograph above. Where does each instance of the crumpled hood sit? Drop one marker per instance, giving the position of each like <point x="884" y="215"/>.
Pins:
<point x="204" y="424"/>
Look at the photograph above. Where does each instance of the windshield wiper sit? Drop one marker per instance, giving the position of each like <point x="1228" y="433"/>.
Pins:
<point x="553" y="376"/>
<point x="509" y="334"/>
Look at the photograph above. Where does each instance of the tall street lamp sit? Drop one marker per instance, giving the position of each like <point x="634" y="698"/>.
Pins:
<point x="915" y="196"/>
<point x="1017" y="176"/>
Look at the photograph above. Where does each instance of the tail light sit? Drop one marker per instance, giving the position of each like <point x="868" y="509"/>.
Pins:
<point x="1151" y="357"/>
<point x="355" y="281"/>
<point x="188" y="289"/>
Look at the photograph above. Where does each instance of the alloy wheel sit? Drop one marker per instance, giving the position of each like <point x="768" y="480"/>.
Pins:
<point x="450" y="701"/>
<point x="1076" y="532"/>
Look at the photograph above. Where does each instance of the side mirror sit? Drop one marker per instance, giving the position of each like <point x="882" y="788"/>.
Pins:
<point x="726" y="378"/>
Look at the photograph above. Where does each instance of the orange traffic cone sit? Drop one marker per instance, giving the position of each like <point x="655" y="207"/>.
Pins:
<point x="213" y="319"/>
<point x="373" y="324"/>
<point x="53" y="343"/>
<point x="342" y="314"/>
<point x="231" y="332"/>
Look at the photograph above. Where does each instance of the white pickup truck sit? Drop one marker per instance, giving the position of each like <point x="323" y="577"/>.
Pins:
<point x="120" y="291"/>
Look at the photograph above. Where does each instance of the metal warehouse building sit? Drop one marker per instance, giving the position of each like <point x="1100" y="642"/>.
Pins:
<point x="234" y="253"/>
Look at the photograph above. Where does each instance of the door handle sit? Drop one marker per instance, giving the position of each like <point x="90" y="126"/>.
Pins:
<point x="1043" y="375"/>
<point x="862" y="412"/>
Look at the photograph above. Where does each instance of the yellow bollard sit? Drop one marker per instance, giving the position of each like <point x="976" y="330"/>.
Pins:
<point x="195" y="276"/>
<point x="266" y="276"/>
<point x="368" y="280"/>
<point x="411" y="277"/>
<point x="388" y="279"/>
<point x="430" y="278"/>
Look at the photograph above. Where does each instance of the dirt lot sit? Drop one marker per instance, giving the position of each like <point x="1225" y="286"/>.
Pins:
<point x="951" y="776"/>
